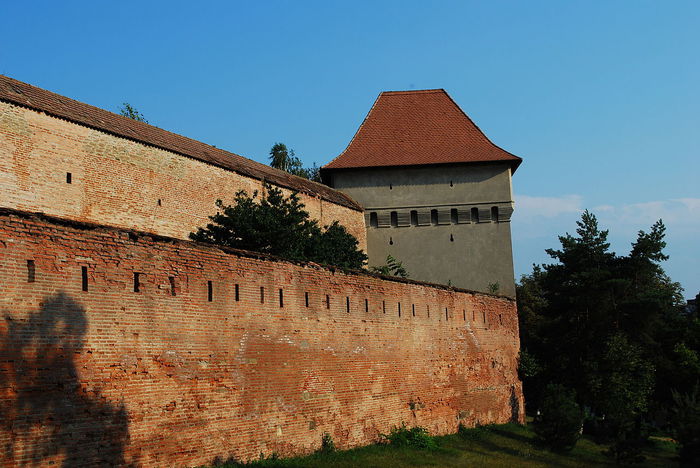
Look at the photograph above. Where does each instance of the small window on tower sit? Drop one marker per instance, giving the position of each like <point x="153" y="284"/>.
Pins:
<point x="433" y="217"/>
<point x="373" y="222"/>
<point x="494" y="214"/>
<point x="69" y="178"/>
<point x="475" y="215"/>
<point x="453" y="215"/>
<point x="414" y="218"/>
<point x="394" y="219"/>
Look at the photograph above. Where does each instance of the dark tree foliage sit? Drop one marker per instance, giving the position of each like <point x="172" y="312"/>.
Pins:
<point x="621" y="387"/>
<point x="610" y="327"/>
<point x="127" y="110"/>
<point x="279" y="225"/>
<point x="559" y="423"/>
<point x="284" y="159"/>
<point x="686" y="418"/>
<point x="336" y="246"/>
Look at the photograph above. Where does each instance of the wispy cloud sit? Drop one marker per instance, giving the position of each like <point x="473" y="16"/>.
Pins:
<point x="682" y="214"/>
<point x="538" y="221"/>
<point x="547" y="207"/>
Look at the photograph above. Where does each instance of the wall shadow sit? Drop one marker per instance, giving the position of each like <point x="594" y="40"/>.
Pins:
<point x="514" y="406"/>
<point x="45" y="412"/>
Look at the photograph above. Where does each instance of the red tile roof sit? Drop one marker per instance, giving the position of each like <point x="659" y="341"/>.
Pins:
<point x="410" y="128"/>
<point x="26" y="95"/>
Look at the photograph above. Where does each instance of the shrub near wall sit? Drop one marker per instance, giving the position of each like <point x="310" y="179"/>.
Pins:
<point x="119" y="347"/>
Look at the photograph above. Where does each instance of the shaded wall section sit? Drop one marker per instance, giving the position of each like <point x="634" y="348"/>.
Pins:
<point x="123" y="348"/>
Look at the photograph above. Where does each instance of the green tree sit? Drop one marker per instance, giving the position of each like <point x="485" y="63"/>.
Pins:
<point x="284" y="159"/>
<point x="578" y="292"/>
<point x="279" y="225"/>
<point x="127" y="110"/>
<point x="281" y="158"/>
<point x="609" y="327"/>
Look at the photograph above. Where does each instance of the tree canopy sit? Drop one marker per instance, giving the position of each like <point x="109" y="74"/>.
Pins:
<point x="610" y="327"/>
<point x="127" y="110"/>
<point x="285" y="159"/>
<point x="279" y="225"/>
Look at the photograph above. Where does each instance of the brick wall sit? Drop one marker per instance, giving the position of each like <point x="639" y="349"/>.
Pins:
<point x="218" y="355"/>
<point x="120" y="182"/>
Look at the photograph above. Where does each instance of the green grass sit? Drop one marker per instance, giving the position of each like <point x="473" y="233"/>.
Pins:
<point x="505" y="445"/>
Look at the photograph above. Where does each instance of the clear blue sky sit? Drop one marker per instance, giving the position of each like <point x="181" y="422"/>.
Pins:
<point x="600" y="98"/>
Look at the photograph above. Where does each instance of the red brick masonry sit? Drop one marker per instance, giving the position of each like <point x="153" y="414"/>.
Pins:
<point x="232" y="362"/>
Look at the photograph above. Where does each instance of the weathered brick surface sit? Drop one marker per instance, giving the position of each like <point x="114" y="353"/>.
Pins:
<point x="121" y="182"/>
<point x="113" y="376"/>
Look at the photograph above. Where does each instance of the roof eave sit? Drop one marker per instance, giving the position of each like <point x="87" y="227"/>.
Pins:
<point x="514" y="164"/>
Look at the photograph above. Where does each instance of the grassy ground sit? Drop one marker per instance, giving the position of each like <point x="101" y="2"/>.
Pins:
<point x="506" y="445"/>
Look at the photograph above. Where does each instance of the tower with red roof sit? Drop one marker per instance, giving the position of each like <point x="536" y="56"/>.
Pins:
<point x="436" y="191"/>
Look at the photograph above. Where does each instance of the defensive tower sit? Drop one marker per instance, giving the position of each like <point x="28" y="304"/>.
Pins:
<point x="436" y="191"/>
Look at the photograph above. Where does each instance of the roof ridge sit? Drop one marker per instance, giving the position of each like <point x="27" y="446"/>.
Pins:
<point x="38" y="99"/>
<point x="416" y="91"/>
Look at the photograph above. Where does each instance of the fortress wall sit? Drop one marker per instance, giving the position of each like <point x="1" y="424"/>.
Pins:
<point x="165" y="377"/>
<point x="120" y="182"/>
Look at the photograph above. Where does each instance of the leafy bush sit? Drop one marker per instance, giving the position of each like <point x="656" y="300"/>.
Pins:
<point x="472" y="433"/>
<point x="416" y="437"/>
<point x="279" y="225"/>
<point x="559" y="423"/>
<point x="393" y="267"/>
